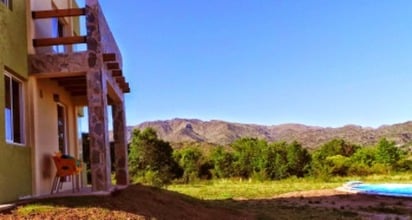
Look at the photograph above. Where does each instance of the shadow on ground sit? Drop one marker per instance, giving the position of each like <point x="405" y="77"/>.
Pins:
<point x="144" y="202"/>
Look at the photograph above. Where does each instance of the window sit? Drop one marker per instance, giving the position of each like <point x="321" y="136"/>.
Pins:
<point x="61" y="128"/>
<point x="8" y="3"/>
<point x="13" y="109"/>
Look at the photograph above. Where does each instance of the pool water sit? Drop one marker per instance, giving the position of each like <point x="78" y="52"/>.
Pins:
<point x="385" y="189"/>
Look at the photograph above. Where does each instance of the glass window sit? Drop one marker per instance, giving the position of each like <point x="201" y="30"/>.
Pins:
<point x="61" y="128"/>
<point x="13" y="109"/>
<point x="7" y="3"/>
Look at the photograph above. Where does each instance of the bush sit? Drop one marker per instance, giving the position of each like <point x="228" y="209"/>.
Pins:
<point x="403" y="165"/>
<point x="221" y="162"/>
<point x="190" y="159"/>
<point x="359" y="169"/>
<point x="150" y="159"/>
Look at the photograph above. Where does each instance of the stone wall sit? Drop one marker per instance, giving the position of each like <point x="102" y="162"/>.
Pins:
<point x="65" y="62"/>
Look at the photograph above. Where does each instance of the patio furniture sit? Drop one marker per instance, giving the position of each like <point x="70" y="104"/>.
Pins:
<point x="66" y="167"/>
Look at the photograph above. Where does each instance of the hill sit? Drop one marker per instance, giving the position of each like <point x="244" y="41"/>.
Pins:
<point x="223" y="133"/>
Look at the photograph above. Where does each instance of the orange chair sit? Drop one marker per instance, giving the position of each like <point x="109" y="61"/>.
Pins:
<point x="65" y="167"/>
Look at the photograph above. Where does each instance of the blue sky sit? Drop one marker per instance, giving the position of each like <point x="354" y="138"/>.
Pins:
<point x="315" y="62"/>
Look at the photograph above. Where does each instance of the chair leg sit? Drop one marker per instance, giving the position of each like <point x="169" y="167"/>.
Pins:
<point x="54" y="185"/>
<point x="73" y="183"/>
<point x="59" y="184"/>
<point x="77" y="182"/>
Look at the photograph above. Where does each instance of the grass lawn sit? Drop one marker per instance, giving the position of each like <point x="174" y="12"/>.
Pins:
<point x="227" y="199"/>
<point x="249" y="189"/>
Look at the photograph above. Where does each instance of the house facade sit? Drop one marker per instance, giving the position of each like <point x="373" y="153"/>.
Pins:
<point x="50" y="73"/>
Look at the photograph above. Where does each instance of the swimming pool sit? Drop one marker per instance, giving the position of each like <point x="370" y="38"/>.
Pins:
<point x="384" y="189"/>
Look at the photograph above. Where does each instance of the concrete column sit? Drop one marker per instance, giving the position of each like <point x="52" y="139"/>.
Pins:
<point x="120" y="145"/>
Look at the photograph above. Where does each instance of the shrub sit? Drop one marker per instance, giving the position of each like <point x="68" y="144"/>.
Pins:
<point x="150" y="159"/>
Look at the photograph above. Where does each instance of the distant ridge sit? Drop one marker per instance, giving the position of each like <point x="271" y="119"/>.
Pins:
<point x="223" y="133"/>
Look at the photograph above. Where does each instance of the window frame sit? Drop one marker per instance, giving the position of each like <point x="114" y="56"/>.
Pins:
<point x="21" y="110"/>
<point x="7" y="3"/>
<point x="64" y="117"/>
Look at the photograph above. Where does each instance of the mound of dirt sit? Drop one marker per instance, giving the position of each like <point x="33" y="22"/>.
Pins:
<point x="134" y="202"/>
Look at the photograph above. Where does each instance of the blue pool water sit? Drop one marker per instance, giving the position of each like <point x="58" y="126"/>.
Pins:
<point x="385" y="189"/>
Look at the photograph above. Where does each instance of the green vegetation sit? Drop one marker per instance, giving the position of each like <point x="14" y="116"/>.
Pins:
<point x="150" y="159"/>
<point x="34" y="208"/>
<point x="154" y="162"/>
<point x="252" y="189"/>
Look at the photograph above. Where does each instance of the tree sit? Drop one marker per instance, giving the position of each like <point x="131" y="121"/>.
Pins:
<point x="365" y="156"/>
<point x="323" y="167"/>
<point x="276" y="162"/>
<point x="248" y="159"/>
<point x="298" y="159"/>
<point x="190" y="159"/>
<point x="337" y="165"/>
<point x="387" y="153"/>
<point x="361" y="162"/>
<point x="337" y="146"/>
<point x="150" y="159"/>
<point x="222" y="162"/>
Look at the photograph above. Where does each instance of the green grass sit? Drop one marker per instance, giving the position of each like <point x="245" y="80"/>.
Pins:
<point x="34" y="208"/>
<point x="251" y="189"/>
<point x="226" y="189"/>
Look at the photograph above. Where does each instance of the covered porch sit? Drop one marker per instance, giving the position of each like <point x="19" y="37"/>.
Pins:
<point x="92" y="78"/>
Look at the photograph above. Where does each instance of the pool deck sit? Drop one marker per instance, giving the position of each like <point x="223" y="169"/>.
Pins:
<point x="346" y="189"/>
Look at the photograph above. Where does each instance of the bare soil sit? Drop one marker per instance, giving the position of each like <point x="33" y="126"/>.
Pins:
<point x="142" y="202"/>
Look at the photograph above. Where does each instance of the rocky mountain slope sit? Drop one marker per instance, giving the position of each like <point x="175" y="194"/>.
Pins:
<point x="223" y="133"/>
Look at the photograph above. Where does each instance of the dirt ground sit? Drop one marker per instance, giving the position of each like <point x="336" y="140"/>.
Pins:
<point x="367" y="206"/>
<point x="142" y="202"/>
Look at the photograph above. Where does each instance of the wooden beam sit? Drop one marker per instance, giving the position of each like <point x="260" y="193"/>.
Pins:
<point x="109" y="57"/>
<point x="113" y="66"/>
<point x="75" y="87"/>
<point x="69" y="82"/>
<point x="58" y="13"/>
<point x="116" y="73"/>
<point x="125" y="84"/>
<point x="44" y="42"/>
<point x="79" y="100"/>
<point x="84" y="90"/>
<point x="120" y="79"/>
<point x="126" y="88"/>
<point x="78" y="93"/>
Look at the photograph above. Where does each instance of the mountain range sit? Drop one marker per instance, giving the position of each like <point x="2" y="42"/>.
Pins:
<point x="218" y="132"/>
